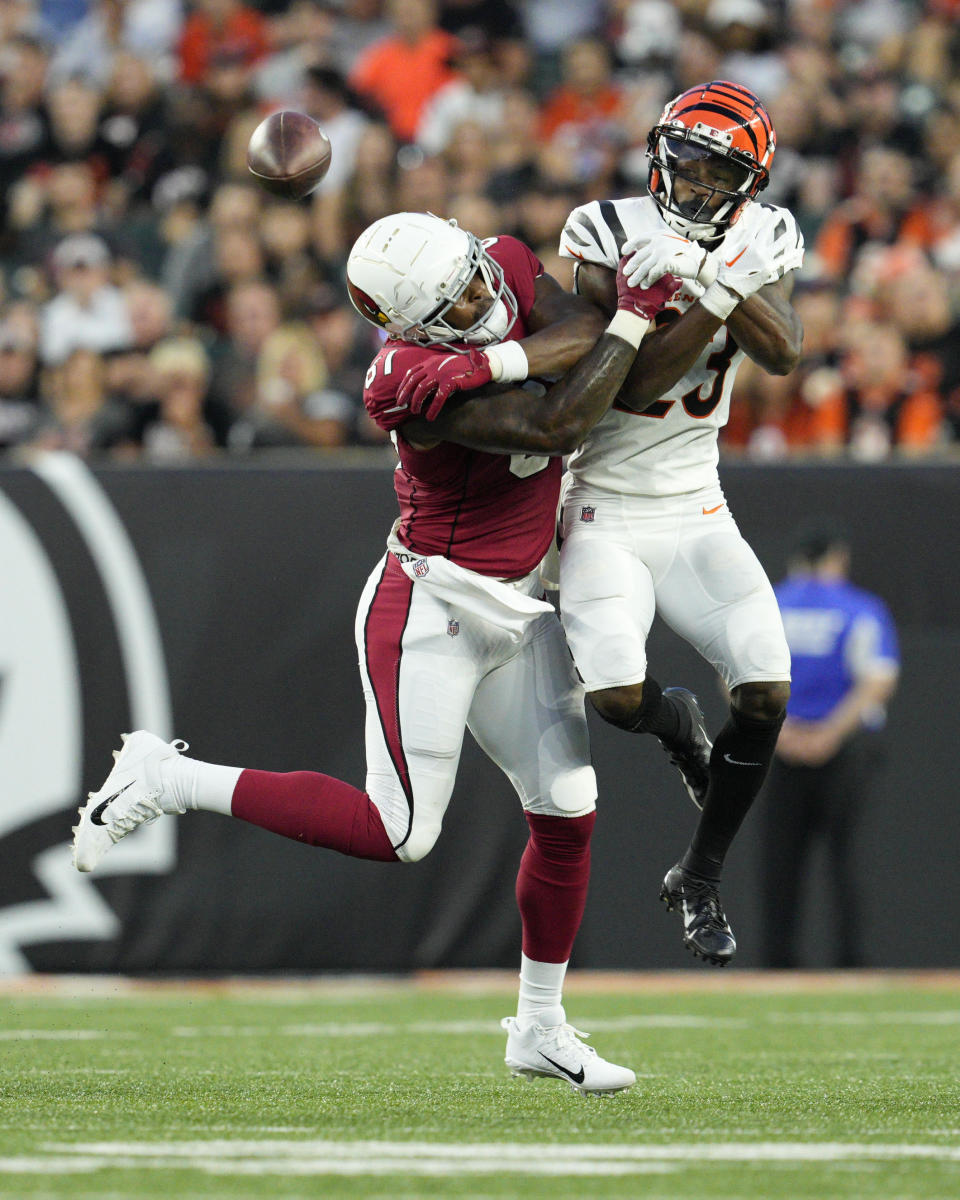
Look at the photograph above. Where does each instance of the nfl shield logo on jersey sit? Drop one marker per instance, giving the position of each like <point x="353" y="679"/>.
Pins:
<point x="421" y="567"/>
<point x="453" y="628"/>
<point x="587" y="513"/>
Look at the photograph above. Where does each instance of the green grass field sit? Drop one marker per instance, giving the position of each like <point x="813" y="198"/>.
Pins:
<point x="749" y="1086"/>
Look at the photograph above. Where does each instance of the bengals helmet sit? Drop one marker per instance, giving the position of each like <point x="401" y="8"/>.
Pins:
<point x="720" y="124"/>
<point x="406" y="271"/>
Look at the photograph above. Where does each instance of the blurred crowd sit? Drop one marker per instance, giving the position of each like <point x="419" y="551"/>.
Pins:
<point x="156" y="305"/>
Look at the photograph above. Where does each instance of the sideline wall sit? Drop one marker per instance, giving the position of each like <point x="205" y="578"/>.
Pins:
<point x="216" y="604"/>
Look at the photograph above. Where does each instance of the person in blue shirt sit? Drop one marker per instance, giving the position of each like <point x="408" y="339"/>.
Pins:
<point x="845" y="665"/>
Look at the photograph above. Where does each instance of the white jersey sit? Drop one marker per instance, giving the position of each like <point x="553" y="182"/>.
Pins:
<point x="671" y="449"/>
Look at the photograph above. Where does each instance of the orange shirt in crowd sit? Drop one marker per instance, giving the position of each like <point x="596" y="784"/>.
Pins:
<point x="401" y="78"/>
<point x="242" y="39"/>
<point x="567" y="107"/>
<point x="856" y="222"/>
<point x="916" y="424"/>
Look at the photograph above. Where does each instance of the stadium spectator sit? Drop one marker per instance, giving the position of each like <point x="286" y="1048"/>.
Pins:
<point x="286" y="236"/>
<point x="294" y="404"/>
<point x="300" y="40"/>
<point x="587" y="101"/>
<point x="134" y="137"/>
<point x="252" y="314"/>
<point x="823" y="779"/>
<point x="88" y="311"/>
<point x="348" y="344"/>
<point x="180" y="376"/>
<point x="24" y="126"/>
<point x="514" y="153"/>
<point x="79" y="415"/>
<point x="919" y="300"/>
<point x="775" y="415"/>
<point x="191" y="267"/>
<point x="876" y="215"/>
<point x="73" y="111"/>
<point x="878" y="404"/>
<point x="423" y="184"/>
<point x="19" y="392"/>
<point x="501" y="23"/>
<point x="403" y="71"/>
<point x="475" y="95"/>
<point x="219" y="34"/>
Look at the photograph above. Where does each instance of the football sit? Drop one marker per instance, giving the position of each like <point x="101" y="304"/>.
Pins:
<point x="288" y="154"/>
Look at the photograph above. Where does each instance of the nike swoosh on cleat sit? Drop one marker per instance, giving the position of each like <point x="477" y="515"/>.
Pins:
<point x="737" y="763"/>
<point x="739" y="256"/>
<point x="578" y="1078"/>
<point x="96" y="817"/>
<point x="707" y="511"/>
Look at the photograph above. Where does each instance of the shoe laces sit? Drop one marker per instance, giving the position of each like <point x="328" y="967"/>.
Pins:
<point x="143" y="811"/>
<point x="567" y="1038"/>
<point x="705" y="899"/>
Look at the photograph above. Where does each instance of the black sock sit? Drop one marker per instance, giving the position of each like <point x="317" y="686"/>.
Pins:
<point x="661" y="715"/>
<point x="739" y="764"/>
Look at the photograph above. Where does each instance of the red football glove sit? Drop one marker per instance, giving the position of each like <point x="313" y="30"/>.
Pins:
<point x="645" y="302"/>
<point x="435" y="379"/>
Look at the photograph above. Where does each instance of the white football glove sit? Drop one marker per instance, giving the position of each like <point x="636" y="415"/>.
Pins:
<point x="744" y="266"/>
<point x="667" y="253"/>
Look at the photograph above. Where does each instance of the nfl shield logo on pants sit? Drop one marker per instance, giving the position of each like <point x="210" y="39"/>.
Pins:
<point x="453" y="628"/>
<point x="587" y="513"/>
<point x="421" y="567"/>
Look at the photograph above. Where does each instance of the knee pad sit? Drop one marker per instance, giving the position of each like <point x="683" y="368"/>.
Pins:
<point x="422" y="839"/>
<point x="570" y="793"/>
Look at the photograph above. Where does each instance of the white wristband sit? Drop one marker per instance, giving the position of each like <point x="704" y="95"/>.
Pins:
<point x="628" y="326"/>
<point x="719" y="300"/>
<point x="508" y="362"/>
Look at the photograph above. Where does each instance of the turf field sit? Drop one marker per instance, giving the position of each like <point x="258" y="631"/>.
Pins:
<point x="749" y="1086"/>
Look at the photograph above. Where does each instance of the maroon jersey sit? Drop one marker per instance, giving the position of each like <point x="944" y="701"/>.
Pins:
<point x="492" y="513"/>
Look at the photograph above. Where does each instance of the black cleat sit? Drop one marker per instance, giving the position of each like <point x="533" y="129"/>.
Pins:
<point x="705" y="928"/>
<point x="691" y="756"/>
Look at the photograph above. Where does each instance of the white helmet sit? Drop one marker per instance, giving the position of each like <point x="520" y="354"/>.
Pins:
<point x="406" y="270"/>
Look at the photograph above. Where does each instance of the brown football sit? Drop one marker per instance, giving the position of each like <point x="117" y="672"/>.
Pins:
<point x="288" y="154"/>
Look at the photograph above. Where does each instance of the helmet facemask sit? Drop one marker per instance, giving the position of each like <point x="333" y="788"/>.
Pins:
<point x="724" y="125"/>
<point x="492" y="326"/>
<point x="672" y="153"/>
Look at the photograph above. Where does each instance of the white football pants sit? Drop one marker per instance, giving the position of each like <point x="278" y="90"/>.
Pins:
<point x="625" y="558"/>
<point x="432" y="669"/>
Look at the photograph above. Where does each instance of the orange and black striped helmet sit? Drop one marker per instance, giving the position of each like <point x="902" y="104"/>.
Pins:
<point x="720" y="137"/>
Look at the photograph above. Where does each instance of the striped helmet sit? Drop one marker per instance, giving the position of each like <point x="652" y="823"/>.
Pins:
<point x="718" y="136"/>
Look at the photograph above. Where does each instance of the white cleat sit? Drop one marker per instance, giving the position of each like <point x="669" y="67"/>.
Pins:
<point x="557" y="1051"/>
<point x="133" y="794"/>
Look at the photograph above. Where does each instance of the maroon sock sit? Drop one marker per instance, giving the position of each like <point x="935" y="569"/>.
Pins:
<point x="552" y="884"/>
<point x="315" y="809"/>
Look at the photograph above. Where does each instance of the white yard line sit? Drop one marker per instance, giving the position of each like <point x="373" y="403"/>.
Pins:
<point x="324" y="1157"/>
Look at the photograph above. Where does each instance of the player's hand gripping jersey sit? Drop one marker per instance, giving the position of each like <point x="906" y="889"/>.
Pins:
<point x="672" y="447"/>
<point x="491" y="513"/>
